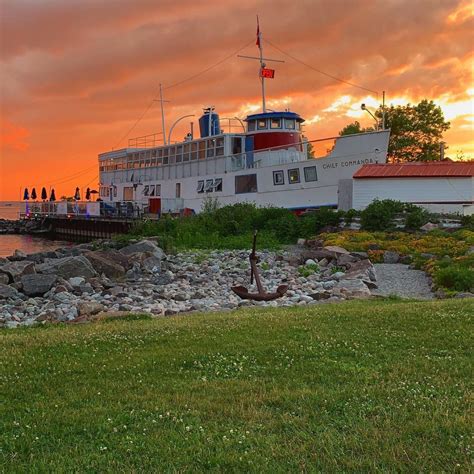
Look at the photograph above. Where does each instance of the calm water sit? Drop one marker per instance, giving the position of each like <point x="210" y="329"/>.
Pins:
<point x="27" y="243"/>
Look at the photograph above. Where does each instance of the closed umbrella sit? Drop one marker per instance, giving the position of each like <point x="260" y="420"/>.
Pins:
<point x="44" y="194"/>
<point x="52" y="198"/>
<point x="77" y="195"/>
<point x="26" y="195"/>
<point x="33" y="194"/>
<point x="88" y="194"/>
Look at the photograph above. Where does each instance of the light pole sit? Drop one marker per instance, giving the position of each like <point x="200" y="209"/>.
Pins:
<point x="179" y="120"/>
<point x="364" y="107"/>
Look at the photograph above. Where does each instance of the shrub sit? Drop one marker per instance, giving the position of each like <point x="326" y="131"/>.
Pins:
<point x="416" y="217"/>
<point x="379" y="215"/>
<point x="455" y="278"/>
<point x="313" y="222"/>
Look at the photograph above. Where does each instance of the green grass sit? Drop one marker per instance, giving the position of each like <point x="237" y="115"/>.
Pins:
<point x="358" y="386"/>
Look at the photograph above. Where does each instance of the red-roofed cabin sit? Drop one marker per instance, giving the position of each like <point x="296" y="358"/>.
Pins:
<point x="445" y="187"/>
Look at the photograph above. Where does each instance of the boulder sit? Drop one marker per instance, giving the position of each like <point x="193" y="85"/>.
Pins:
<point x="429" y="226"/>
<point x="37" y="285"/>
<point x="363" y="270"/>
<point x="336" y="250"/>
<point x="89" y="308"/>
<point x="152" y="264"/>
<point x="7" y="291"/>
<point x="143" y="246"/>
<point x="17" y="256"/>
<point x="103" y="263"/>
<point x="345" y="259"/>
<point x="353" y="289"/>
<point x="4" y="279"/>
<point x="391" y="257"/>
<point x="15" y="270"/>
<point x="68" y="267"/>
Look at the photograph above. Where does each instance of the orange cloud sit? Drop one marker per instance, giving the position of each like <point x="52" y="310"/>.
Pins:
<point x="13" y="137"/>
<point x="76" y="75"/>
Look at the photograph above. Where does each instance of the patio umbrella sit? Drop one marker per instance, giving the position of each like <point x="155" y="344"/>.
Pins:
<point x="26" y="195"/>
<point x="44" y="194"/>
<point x="53" y="195"/>
<point x="77" y="195"/>
<point x="88" y="194"/>
<point x="33" y="194"/>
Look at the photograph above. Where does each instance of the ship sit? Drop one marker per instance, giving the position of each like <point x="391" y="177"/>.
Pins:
<point x="267" y="161"/>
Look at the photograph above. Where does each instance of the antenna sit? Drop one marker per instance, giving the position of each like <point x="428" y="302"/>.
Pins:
<point x="262" y="63"/>
<point x="161" y="101"/>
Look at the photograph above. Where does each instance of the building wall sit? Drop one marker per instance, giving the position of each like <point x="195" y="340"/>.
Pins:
<point x="439" y="193"/>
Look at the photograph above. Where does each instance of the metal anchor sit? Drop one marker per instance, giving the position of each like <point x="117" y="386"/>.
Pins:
<point x="262" y="295"/>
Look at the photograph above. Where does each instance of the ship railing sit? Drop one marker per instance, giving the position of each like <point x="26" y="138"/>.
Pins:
<point x="146" y="141"/>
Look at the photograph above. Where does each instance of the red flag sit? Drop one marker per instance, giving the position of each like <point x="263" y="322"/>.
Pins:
<point x="258" y="34"/>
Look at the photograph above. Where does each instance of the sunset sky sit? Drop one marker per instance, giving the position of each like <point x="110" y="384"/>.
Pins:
<point x="77" y="74"/>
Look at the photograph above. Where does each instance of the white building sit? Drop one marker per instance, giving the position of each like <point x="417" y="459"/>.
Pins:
<point x="441" y="187"/>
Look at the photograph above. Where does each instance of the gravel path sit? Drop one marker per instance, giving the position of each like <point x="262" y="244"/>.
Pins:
<point x="398" y="279"/>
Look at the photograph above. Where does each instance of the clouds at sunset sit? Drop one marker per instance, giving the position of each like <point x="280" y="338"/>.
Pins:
<point x="76" y="75"/>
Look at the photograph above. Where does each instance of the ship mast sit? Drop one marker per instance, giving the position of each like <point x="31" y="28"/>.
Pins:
<point x="262" y="60"/>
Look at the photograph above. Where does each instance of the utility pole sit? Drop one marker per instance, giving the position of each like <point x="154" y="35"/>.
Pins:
<point x="161" y="101"/>
<point x="383" y="110"/>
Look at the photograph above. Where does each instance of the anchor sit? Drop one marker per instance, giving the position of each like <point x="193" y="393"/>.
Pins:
<point x="262" y="295"/>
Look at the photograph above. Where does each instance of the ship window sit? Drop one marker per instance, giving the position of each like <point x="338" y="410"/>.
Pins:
<point x="220" y="146"/>
<point x="310" y="174"/>
<point x="158" y="190"/>
<point x="251" y="126"/>
<point x="178" y="190"/>
<point x="187" y="149"/>
<point x="262" y="124"/>
<point x="236" y="145"/>
<point x="218" y="184"/>
<point x="179" y="153"/>
<point x="210" y="148"/>
<point x="115" y="191"/>
<point x="200" y="188"/>
<point x="278" y="178"/>
<point x="152" y="190"/>
<point x="298" y="126"/>
<point x="275" y="123"/>
<point x="209" y="185"/>
<point x="145" y="190"/>
<point x="202" y="150"/>
<point x="194" y="148"/>
<point x="290" y="124"/>
<point x="246" y="183"/>
<point x="294" y="176"/>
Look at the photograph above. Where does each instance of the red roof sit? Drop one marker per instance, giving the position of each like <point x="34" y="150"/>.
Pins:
<point x="417" y="170"/>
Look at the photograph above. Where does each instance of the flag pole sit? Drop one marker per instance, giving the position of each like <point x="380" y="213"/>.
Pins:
<point x="262" y="65"/>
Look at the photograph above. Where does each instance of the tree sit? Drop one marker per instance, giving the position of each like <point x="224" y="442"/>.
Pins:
<point x="416" y="131"/>
<point x="354" y="128"/>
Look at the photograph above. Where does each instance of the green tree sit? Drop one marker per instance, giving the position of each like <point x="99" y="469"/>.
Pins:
<point x="354" y="127"/>
<point x="416" y="131"/>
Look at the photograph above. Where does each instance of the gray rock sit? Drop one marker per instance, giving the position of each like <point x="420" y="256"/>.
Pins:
<point x="152" y="264"/>
<point x="143" y="246"/>
<point x="89" y="308"/>
<point x="68" y="267"/>
<point x="464" y="295"/>
<point x="362" y="269"/>
<point x="310" y="261"/>
<point x="18" y="255"/>
<point x="7" y="291"/>
<point x="103" y="263"/>
<point x="76" y="281"/>
<point x="391" y="257"/>
<point x="4" y="278"/>
<point x="15" y="270"/>
<point x="353" y="289"/>
<point x="37" y="285"/>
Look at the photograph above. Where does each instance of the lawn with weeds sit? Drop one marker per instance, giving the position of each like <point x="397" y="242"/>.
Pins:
<point x="356" y="386"/>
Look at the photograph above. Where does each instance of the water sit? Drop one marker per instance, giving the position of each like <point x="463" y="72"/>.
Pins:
<point x="29" y="244"/>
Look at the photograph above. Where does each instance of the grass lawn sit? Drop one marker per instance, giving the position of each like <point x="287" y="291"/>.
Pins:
<point x="357" y="386"/>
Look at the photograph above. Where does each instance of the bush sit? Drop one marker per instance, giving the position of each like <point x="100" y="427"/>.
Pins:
<point x="315" y="221"/>
<point x="455" y="277"/>
<point x="415" y="217"/>
<point x="379" y="215"/>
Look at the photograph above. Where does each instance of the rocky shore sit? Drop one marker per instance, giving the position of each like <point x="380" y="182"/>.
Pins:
<point x="22" y="226"/>
<point x="84" y="282"/>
